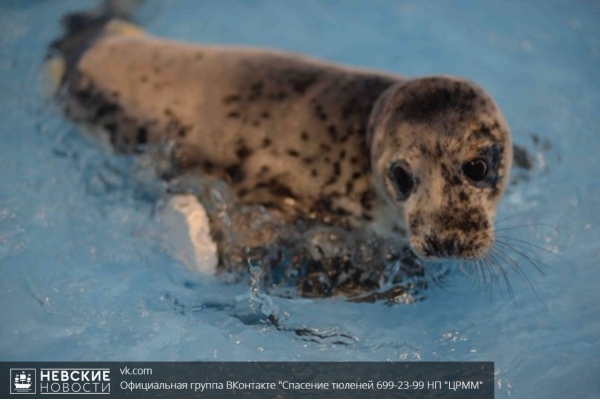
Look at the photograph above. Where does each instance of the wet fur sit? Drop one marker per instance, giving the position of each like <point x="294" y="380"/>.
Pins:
<point x="435" y="125"/>
<point x="308" y="138"/>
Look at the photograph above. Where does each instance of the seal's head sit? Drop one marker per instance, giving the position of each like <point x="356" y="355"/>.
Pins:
<point x="441" y="153"/>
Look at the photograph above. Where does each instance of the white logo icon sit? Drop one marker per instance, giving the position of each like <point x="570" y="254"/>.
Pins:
<point x="22" y="381"/>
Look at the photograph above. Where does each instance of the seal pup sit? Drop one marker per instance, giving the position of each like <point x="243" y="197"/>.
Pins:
<point x="423" y="159"/>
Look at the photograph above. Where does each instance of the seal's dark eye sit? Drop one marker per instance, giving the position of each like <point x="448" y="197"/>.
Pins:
<point x="402" y="177"/>
<point x="476" y="169"/>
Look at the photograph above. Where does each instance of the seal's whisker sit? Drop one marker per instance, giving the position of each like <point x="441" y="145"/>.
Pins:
<point x="492" y="274"/>
<point x="524" y="242"/>
<point x="477" y="273"/>
<point x="434" y="274"/>
<point x="501" y="257"/>
<point x="496" y="264"/>
<point x="473" y="271"/>
<point x="499" y="221"/>
<point x="520" y="250"/>
<point x="515" y="266"/>
<point x="533" y="224"/>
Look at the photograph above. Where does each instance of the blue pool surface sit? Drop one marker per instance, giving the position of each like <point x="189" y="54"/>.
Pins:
<point x="84" y="274"/>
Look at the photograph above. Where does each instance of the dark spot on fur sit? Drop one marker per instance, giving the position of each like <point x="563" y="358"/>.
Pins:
<point x="83" y="95"/>
<point x="231" y="99"/>
<point x="279" y="96"/>
<point x="366" y="200"/>
<point x="304" y="136"/>
<point x="342" y="154"/>
<point x="106" y="109"/>
<point x="266" y="142"/>
<point x="301" y="81"/>
<point x="320" y="113"/>
<point x="275" y="187"/>
<point x="293" y="153"/>
<point x="208" y="166"/>
<point x="111" y="127"/>
<point x="362" y="93"/>
<point x="243" y="151"/>
<point x="265" y="115"/>
<point x="452" y="178"/>
<point x="313" y="172"/>
<point x="466" y="220"/>
<point x="324" y="204"/>
<point x="495" y="192"/>
<point x="142" y="136"/>
<point x="183" y="131"/>
<point x="484" y="132"/>
<point x="281" y="190"/>
<point x="331" y="180"/>
<point x="367" y="216"/>
<point x="333" y="132"/>
<point x="256" y="91"/>
<point x="337" y="170"/>
<point x="341" y="211"/>
<point x="439" y="151"/>
<point x="416" y="221"/>
<point x="325" y="148"/>
<point x="349" y="187"/>
<point x="233" y="114"/>
<point x="218" y="236"/>
<point x="235" y="173"/>
<point x="431" y="98"/>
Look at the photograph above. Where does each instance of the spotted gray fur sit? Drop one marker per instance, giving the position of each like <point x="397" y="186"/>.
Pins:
<point x="310" y="138"/>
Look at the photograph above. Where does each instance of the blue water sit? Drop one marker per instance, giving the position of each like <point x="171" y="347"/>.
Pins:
<point x="85" y="276"/>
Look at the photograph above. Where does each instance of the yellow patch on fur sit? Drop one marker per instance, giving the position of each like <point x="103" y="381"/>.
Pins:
<point x="55" y="70"/>
<point x="119" y="27"/>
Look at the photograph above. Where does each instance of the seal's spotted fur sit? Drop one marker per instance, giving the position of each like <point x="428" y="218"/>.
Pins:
<point x="435" y="125"/>
<point x="313" y="140"/>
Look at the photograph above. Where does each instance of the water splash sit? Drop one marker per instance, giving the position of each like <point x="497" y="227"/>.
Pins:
<point x="256" y="307"/>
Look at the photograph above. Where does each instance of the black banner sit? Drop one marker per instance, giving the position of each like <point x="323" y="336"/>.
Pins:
<point x="108" y="380"/>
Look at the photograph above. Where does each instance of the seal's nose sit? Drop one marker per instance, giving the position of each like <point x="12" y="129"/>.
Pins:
<point x="449" y="246"/>
<point x="436" y="247"/>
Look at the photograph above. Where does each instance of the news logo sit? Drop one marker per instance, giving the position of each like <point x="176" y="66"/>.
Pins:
<point x="74" y="380"/>
<point x="22" y="381"/>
